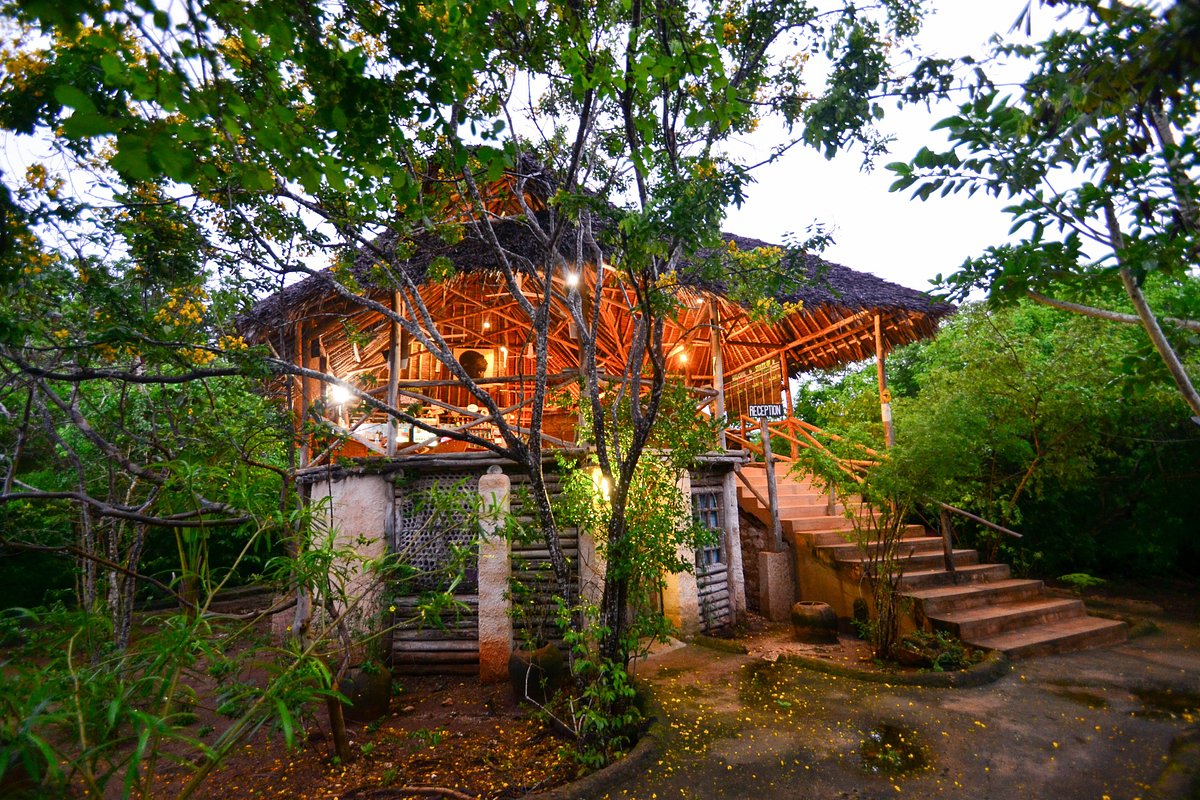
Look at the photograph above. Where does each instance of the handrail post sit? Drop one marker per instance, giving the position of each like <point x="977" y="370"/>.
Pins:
<point x="772" y="489"/>
<point x="947" y="544"/>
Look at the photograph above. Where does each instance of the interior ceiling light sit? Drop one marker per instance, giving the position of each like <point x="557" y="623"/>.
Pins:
<point x="572" y="279"/>
<point x="340" y="395"/>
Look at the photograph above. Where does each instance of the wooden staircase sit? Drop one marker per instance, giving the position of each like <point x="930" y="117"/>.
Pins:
<point x="982" y="604"/>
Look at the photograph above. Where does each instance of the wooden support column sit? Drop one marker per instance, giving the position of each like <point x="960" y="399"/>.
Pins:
<point x="885" y="397"/>
<point x="718" y="364"/>
<point x="395" y="343"/>
<point x="776" y="570"/>
<point x="788" y="408"/>
<point x="309" y="387"/>
<point x="772" y="488"/>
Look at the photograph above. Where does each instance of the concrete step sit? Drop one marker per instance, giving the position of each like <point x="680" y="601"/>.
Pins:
<point x="976" y="623"/>
<point x="939" y="600"/>
<point x="787" y="498"/>
<point x="969" y="574"/>
<point x="917" y="562"/>
<point x="923" y="544"/>
<point x="846" y="536"/>
<point x="795" y="506"/>
<point x="822" y="522"/>
<point x="1065" y="636"/>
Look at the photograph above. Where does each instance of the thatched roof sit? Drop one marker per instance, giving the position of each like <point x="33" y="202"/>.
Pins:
<point x="826" y="289"/>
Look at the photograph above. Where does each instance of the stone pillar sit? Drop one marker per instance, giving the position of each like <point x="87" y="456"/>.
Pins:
<point x="495" y="568"/>
<point x="776" y="584"/>
<point x="681" y="594"/>
<point x="733" y="545"/>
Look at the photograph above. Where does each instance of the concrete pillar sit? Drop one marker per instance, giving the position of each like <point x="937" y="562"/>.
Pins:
<point x="681" y="594"/>
<point x="733" y="545"/>
<point x="776" y="584"/>
<point x="592" y="568"/>
<point x="495" y="569"/>
<point x="357" y="509"/>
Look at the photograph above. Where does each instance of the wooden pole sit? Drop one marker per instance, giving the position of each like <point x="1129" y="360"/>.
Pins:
<point x="393" y="395"/>
<point x="718" y="365"/>
<point x="885" y="397"/>
<point x="772" y="488"/>
<point x="787" y="398"/>
<point x="947" y="543"/>
<point x="307" y="390"/>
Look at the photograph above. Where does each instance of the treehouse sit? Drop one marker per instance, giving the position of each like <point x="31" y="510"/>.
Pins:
<point x="374" y="469"/>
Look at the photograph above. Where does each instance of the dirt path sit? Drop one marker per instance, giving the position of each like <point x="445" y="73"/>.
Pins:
<point x="1093" y="725"/>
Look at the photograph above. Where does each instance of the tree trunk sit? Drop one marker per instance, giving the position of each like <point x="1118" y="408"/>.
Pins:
<point x="1182" y="380"/>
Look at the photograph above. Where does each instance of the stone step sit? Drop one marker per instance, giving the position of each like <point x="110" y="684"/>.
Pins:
<point x="917" y="562"/>
<point x="976" y="623"/>
<point x="971" y="573"/>
<point x="939" y="600"/>
<point x="1065" y="636"/>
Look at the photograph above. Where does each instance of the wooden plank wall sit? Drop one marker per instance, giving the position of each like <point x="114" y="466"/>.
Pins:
<point x="451" y="645"/>
<point x="713" y="579"/>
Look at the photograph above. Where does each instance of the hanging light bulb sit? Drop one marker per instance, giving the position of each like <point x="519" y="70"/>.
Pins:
<point x="572" y="279"/>
<point x="340" y="395"/>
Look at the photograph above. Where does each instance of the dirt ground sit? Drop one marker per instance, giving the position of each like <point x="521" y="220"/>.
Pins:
<point x="1097" y="724"/>
<point x="445" y="732"/>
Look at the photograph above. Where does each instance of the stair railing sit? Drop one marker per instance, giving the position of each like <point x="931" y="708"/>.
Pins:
<point x="799" y="434"/>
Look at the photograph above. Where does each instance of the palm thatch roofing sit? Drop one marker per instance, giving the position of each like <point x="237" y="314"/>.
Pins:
<point x="834" y="324"/>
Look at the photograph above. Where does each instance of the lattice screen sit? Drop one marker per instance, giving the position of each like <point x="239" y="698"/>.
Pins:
<point x="427" y="533"/>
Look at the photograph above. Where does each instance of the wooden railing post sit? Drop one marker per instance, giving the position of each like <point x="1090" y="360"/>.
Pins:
<point x="772" y="489"/>
<point x="947" y="544"/>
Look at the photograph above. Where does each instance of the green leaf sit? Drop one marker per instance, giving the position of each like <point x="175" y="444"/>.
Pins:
<point x="285" y="721"/>
<point x="85" y="125"/>
<point x="74" y="98"/>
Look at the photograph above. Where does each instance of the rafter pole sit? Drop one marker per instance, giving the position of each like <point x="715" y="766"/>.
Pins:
<point x="718" y="365"/>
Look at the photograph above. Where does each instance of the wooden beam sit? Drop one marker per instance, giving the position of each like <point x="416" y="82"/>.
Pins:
<point x="394" y="337"/>
<point x="885" y="396"/>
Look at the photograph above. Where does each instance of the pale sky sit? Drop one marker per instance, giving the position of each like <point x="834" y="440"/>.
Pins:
<point x="901" y="240"/>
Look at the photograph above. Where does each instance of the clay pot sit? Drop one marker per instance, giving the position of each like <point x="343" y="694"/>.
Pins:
<point x="536" y="675"/>
<point x="814" y="623"/>
<point x="369" y="691"/>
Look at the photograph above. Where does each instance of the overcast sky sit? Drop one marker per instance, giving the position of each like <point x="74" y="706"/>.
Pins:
<point x="890" y="235"/>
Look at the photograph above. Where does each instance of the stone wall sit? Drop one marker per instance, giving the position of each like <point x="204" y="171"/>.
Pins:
<point x="754" y="540"/>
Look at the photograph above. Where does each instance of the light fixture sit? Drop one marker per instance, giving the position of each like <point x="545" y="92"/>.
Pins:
<point x="572" y="279"/>
<point x="487" y="324"/>
<point x="504" y="351"/>
<point x="683" y="357"/>
<point x="340" y="395"/>
<point x="601" y="484"/>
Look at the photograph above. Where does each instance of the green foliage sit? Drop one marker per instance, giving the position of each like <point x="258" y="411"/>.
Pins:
<point x="941" y="651"/>
<point x="106" y="722"/>
<point x="1080" y="582"/>
<point x="1096" y="151"/>
<point x="1059" y="426"/>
